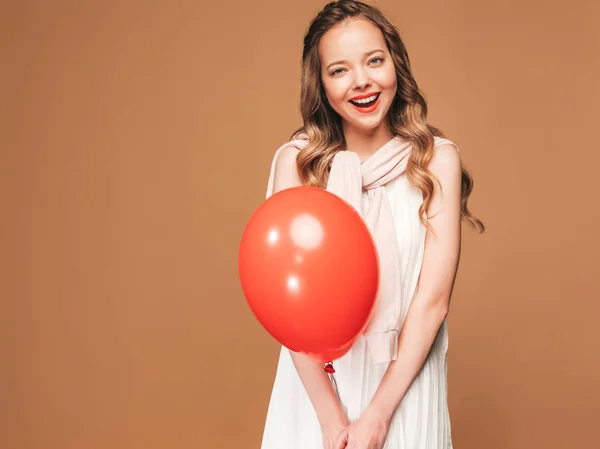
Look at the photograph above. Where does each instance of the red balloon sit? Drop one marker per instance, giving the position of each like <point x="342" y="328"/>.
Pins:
<point x="309" y="270"/>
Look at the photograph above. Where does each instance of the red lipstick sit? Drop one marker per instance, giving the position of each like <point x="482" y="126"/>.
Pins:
<point x="360" y="97"/>
<point x="365" y="108"/>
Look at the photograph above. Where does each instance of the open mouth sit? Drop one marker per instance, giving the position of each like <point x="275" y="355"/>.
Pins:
<point x="367" y="104"/>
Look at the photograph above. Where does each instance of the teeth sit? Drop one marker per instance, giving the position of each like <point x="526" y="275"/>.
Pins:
<point x="365" y="100"/>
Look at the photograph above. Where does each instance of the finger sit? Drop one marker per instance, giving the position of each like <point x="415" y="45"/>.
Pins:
<point x="353" y="443"/>
<point x="342" y="439"/>
<point x="339" y="444"/>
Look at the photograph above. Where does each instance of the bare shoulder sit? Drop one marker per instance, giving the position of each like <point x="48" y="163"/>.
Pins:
<point x="446" y="166"/>
<point x="446" y="163"/>
<point x="286" y="169"/>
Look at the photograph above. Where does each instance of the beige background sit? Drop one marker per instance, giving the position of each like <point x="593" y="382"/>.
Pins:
<point x="136" y="142"/>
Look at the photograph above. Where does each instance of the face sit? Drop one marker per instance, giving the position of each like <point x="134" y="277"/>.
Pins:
<point x="358" y="73"/>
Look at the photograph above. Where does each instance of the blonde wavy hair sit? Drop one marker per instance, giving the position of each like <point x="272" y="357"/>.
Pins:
<point x="406" y="118"/>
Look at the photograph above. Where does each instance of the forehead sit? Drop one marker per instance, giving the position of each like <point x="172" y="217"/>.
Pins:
<point x="351" y="39"/>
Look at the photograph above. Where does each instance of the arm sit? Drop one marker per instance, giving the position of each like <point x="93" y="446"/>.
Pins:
<point x="315" y="380"/>
<point x="436" y="281"/>
<point x="430" y="305"/>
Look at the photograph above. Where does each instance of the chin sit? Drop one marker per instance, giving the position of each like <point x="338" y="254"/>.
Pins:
<point x="364" y="124"/>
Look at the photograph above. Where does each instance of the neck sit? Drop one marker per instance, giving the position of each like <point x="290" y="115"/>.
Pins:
<point x="365" y="143"/>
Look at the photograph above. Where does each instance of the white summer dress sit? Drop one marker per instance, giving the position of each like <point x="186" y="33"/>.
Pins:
<point x="422" y="421"/>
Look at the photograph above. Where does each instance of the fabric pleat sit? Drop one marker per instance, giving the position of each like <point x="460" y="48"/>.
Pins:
<point x="422" y="420"/>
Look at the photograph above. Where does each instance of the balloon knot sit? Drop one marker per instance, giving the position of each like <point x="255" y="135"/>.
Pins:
<point x="329" y="368"/>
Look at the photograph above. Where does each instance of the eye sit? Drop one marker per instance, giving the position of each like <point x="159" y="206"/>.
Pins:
<point x="376" y="58"/>
<point x="335" y="72"/>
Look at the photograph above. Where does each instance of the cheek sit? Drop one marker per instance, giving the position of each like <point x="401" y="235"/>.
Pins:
<point x="388" y="80"/>
<point x="336" y="93"/>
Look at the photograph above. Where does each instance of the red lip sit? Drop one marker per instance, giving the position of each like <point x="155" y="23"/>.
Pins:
<point x="369" y="109"/>
<point x="360" y="97"/>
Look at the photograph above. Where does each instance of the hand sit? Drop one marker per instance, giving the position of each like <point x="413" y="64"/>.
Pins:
<point x="369" y="432"/>
<point x="333" y="430"/>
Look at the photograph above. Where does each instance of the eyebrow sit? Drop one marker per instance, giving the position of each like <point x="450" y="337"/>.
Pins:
<point x="369" y="53"/>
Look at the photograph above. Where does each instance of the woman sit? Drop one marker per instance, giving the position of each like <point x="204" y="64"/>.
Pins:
<point x="366" y="138"/>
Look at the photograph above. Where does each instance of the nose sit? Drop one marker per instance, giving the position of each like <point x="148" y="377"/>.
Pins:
<point x="361" y="79"/>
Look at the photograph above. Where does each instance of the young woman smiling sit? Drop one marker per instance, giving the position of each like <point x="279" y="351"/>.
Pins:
<point x="365" y="131"/>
